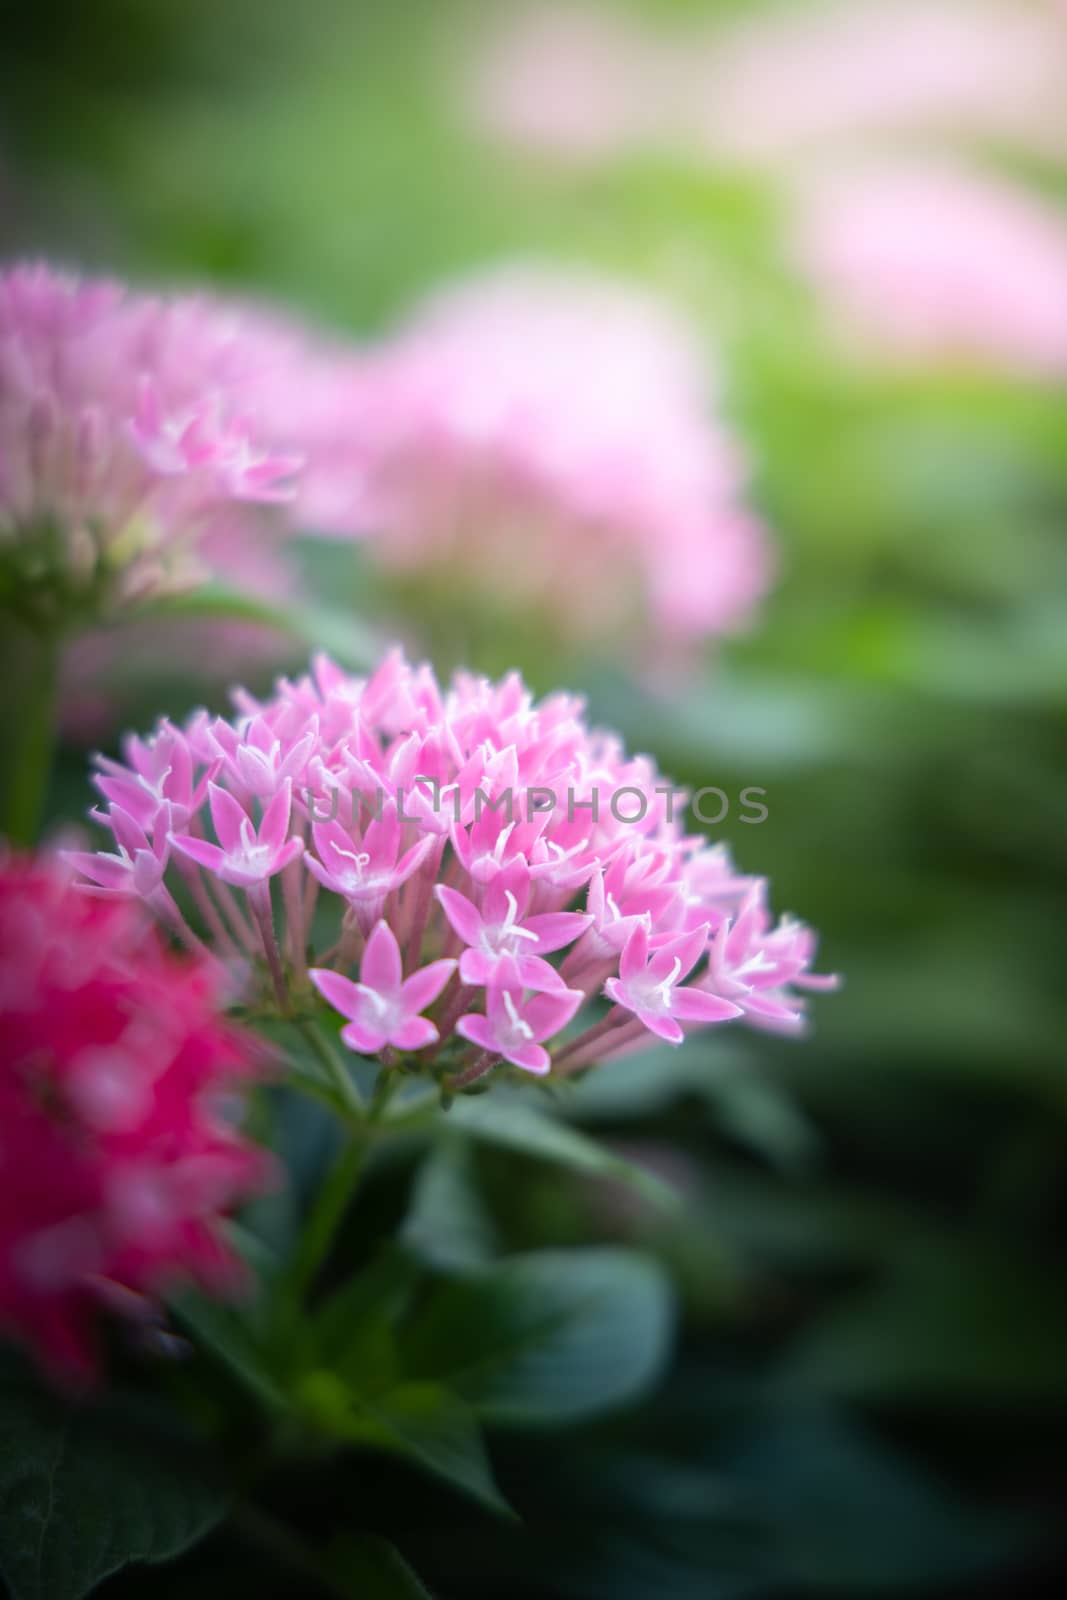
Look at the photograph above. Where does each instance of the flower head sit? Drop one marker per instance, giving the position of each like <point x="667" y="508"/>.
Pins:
<point x="932" y="263"/>
<point x="481" y="867"/>
<point x="774" y="84"/>
<point x="118" y="1160"/>
<point x="128" y="439"/>
<point x="546" y="441"/>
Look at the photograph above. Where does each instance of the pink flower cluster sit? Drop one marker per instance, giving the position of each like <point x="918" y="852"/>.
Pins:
<point x="539" y="441"/>
<point x="934" y="262"/>
<point x="128" y="436"/>
<point x="548" y="440"/>
<point x="485" y="865"/>
<point x="777" y="84"/>
<point x="117" y="1157"/>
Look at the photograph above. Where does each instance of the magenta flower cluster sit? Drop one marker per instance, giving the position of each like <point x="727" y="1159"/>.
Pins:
<point x="451" y="928"/>
<point x="118" y="1156"/>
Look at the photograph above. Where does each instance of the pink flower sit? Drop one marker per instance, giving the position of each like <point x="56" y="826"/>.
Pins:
<point x="473" y="828"/>
<point x="774" y="84"/>
<point x="502" y="932"/>
<point x="513" y="1027"/>
<point x="934" y="263"/>
<point x="649" y="985"/>
<point x="781" y="86"/>
<point x="383" y="1007"/>
<point x="244" y="856"/>
<point x="157" y="772"/>
<point x="118" y="1162"/>
<point x="550" y="442"/>
<point x="755" y="964"/>
<point x="365" y="870"/>
<point x="136" y="869"/>
<point x="128" y="437"/>
<point x="202" y="441"/>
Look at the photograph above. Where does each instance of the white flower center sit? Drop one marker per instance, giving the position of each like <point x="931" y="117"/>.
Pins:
<point x="252" y="855"/>
<point x="502" y="938"/>
<point x="519" y="1032"/>
<point x="657" y="996"/>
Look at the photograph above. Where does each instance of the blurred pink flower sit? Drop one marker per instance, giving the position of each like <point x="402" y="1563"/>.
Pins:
<point x="550" y="442"/>
<point x="118" y="1160"/>
<point x="933" y="263"/>
<point x="128" y="435"/>
<point x="776" y="84"/>
<point x="567" y="80"/>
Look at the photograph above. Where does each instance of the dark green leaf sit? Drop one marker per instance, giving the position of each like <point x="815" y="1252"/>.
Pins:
<point x="422" y="1421"/>
<point x="963" y="1327"/>
<point x="507" y="1123"/>
<point x="548" y="1337"/>
<point x="370" y="1568"/>
<point x="84" y="1489"/>
<point x="448" y="1225"/>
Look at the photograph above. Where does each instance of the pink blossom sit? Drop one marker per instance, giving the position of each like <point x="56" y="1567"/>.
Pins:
<point x="502" y="931"/>
<point x="552" y="442"/>
<point x="156" y="772"/>
<point x="471" y="827"/>
<point x="245" y="855"/>
<point x="128" y="437"/>
<point x="756" y="964"/>
<point x="118" y="1163"/>
<point x="383" y="1007"/>
<point x="935" y="263"/>
<point x="778" y="86"/>
<point x="773" y="85"/>
<point x="513" y="1027"/>
<point x="649" y="985"/>
<point x="365" y="870"/>
<point x="136" y="869"/>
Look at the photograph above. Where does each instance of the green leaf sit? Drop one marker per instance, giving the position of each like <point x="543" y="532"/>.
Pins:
<point x="422" y="1421"/>
<point x="832" y="1500"/>
<point x="85" y="1489"/>
<point x="507" y="1123"/>
<point x="353" y="1331"/>
<point x="966" y="1327"/>
<point x="370" y="1568"/>
<point x="232" y="1337"/>
<point x="448" y="1226"/>
<point x="550" y="1337"/>
<point x="339" y="633"/>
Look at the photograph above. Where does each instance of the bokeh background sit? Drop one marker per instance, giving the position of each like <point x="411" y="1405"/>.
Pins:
<point x="870" y="1389"/>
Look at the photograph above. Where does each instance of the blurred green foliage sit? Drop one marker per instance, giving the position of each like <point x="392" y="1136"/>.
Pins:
<point x="871" y="1391"/>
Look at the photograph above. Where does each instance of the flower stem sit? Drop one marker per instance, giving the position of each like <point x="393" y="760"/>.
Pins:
<point x="477" y="1069"/>
<point x="339" y="1076"/>
<point x="565" y="1060"/>
<point x="260" y="902"/>
<point x="30" y="680"/>
<point x="331" y="1203"/>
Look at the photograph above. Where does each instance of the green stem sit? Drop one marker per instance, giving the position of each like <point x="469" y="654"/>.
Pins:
<point x="349" y="1096"/>
<point x="331" y="1203"/>
<point x="30" y="681"/>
